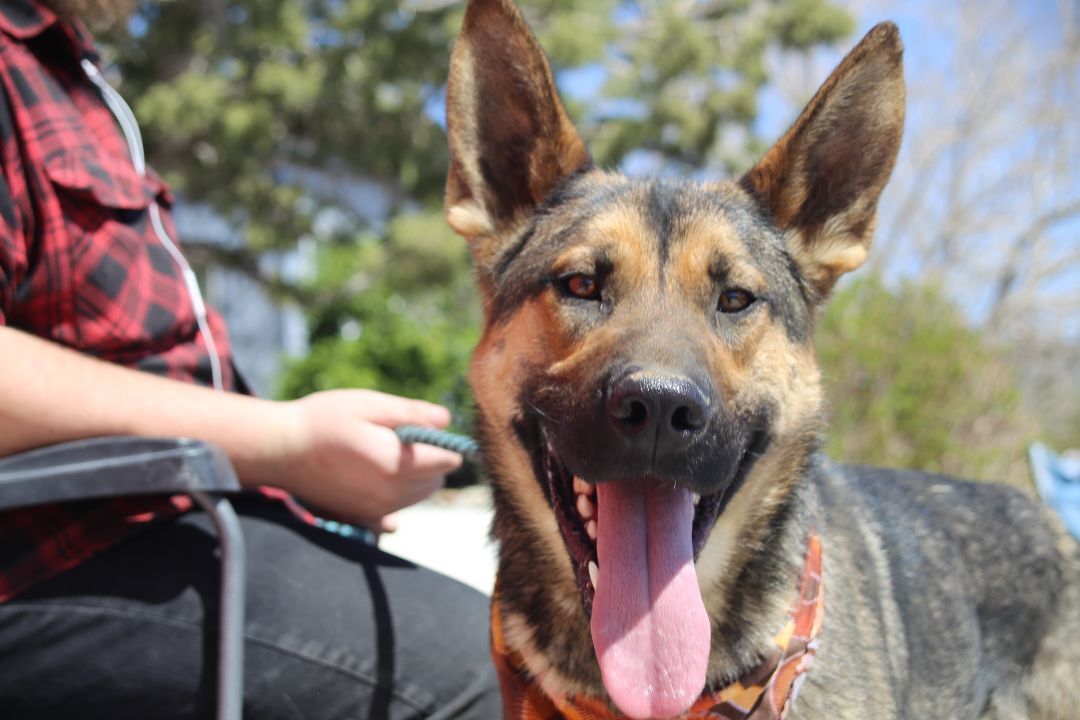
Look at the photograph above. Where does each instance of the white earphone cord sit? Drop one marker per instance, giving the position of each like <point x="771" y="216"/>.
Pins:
<point x="133" y="136"/>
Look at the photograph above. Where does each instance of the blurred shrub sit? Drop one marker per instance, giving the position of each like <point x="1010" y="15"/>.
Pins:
<point x="910" y="385"/>
<point x="405" y="321"/>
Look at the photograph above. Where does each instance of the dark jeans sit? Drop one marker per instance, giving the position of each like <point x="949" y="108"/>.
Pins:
<point x="335" y="629"/>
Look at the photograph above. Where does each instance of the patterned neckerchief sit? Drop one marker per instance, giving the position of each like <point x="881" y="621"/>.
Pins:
<point x="764" y="693"/>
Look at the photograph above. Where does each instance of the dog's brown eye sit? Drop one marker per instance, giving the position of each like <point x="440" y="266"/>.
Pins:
<point x="585" y="287"/>
<point x="735" y="300"/>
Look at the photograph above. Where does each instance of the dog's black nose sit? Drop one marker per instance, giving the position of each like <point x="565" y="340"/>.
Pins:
<point x="669" y="410"/>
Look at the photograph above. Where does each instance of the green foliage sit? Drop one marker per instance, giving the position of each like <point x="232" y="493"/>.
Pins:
<point x="415" y="344"/>
<point x="912" y="386"/>
<point x="687" y="78"/>
<point x="234" y="95"/>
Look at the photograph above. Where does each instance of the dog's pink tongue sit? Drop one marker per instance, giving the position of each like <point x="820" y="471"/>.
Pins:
<point x="649" y="625"/>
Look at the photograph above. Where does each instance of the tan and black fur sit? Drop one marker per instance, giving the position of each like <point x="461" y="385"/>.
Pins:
<point x="943" y="598"/>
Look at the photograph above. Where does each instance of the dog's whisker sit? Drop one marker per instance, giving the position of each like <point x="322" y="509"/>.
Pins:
<point x="540" y="412"/>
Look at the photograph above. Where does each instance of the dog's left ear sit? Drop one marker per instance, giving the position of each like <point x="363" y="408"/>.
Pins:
<point x="511" y="141"/>
<point x="821" y="182"/>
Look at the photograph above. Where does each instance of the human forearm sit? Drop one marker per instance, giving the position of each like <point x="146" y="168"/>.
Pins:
<point x="335" y="449"/>
<point x="51" y="394"/>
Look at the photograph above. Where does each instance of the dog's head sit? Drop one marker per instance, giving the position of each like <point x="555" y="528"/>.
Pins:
<point x="645" y="382"/>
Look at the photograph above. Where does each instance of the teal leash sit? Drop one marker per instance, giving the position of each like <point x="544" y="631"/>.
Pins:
<point x="461" y="444"/>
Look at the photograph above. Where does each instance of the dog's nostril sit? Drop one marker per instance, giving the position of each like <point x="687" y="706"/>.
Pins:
<point x="632" y="413"/>
<point x="657" y="408"/>
<point x="687" y="419"/>
<point x="639" y="414"/>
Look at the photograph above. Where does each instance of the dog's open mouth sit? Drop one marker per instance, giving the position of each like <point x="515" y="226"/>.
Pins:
<point x="575" y="504"/>
<point x="633" y="543"/>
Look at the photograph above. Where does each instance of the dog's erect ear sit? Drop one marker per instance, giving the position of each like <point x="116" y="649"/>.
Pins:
<point x="510" y="139"/>
<point x="820" y="183"/>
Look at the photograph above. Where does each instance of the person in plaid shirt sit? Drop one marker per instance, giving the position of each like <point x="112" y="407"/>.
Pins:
<point x="102" y="602"/>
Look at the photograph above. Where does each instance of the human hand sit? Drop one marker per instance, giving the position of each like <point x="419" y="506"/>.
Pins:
<point x="341" y="455"/>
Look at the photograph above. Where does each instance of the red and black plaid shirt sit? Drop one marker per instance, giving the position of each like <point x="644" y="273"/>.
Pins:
<point x="80" y="265"/>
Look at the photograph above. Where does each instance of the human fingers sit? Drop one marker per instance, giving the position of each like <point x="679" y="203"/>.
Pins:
<point x="392" y="411"/>
<point x="389" y="523"/>
<point x="380" y="448"/>
<point x="420" y="460"/>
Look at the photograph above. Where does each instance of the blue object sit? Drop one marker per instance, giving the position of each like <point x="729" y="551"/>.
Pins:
<point x="1058" y="481"/>
<point x="355" y="532"/>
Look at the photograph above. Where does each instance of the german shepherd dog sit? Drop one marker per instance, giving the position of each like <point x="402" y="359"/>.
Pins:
<point x="651" y="415"/>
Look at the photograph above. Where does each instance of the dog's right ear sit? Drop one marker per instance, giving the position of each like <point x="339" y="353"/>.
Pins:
<point x="511" y="141"/>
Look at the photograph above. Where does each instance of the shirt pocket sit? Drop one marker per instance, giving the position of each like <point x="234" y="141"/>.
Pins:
<point x="127" y="298"/>
<point x="101" y="180"/>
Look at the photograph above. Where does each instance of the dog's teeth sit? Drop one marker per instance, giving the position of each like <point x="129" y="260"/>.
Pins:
<point x="584" y="506"/>
<point x="696" y="498"/>
<point x="594" y="573"/>
<point x="583" y="488"/>
<point x="590" y="528"/>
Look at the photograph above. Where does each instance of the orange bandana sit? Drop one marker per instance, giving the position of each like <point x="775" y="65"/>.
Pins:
<point x="765" y="693"/>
